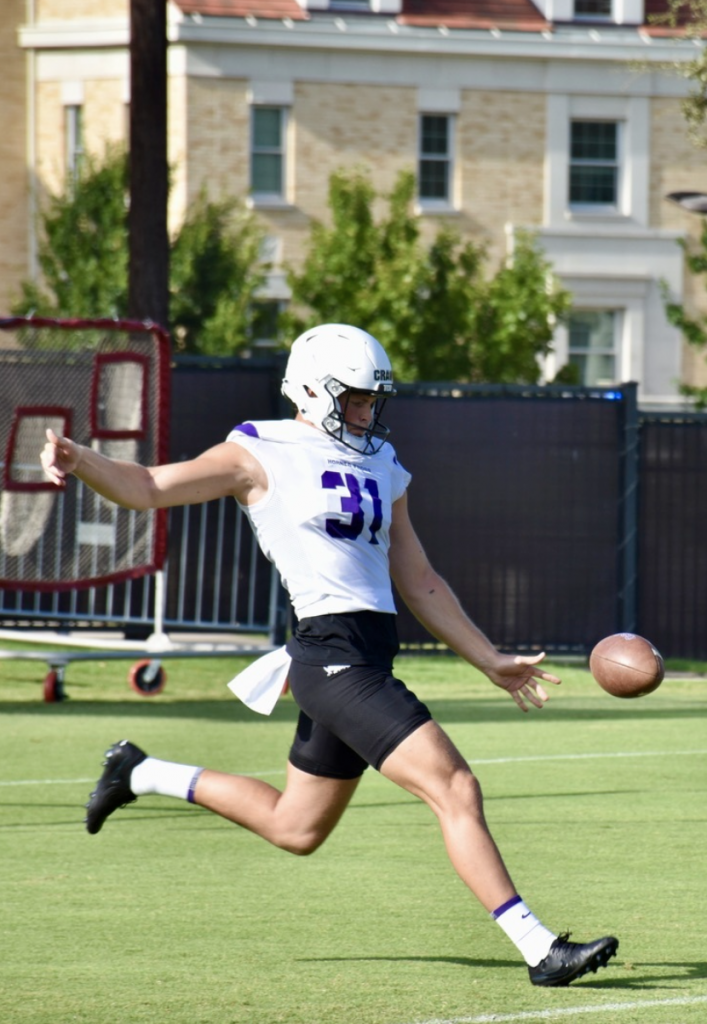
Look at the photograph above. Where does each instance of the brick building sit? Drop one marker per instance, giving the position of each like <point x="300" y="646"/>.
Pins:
<point x="557" y="117"/>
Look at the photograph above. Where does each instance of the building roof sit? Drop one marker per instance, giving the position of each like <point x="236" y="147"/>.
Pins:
<point x="243" y="9"/>
<point x="506" y="15"/>
<point x="512" y="15"/>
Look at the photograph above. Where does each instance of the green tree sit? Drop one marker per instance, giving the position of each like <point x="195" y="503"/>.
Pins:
<point x="83" y="250"/>
<point x="215" y="273"/>
<point x="215" y="269"/>
<point x="694" y="329"/>
<point x="432" y="307"/>
<point x="690" y="16"/>
<point x="515" y="316"/>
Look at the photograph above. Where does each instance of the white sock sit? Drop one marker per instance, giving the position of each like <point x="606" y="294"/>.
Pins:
<point x="164" y="778"/>
<point x="530" y="937"/>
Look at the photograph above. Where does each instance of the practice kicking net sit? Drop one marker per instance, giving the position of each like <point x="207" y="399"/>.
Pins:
<point x="105" y="384"/>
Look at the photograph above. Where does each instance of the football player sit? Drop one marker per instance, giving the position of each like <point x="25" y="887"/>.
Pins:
<point x="327" y="500"/>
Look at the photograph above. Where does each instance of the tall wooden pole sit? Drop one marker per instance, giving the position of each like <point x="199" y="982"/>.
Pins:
<point x="148" y="274"/>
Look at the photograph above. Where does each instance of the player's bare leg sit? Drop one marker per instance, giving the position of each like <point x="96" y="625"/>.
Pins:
<point x="298" y="818"/>
<point x="428" y="764"/>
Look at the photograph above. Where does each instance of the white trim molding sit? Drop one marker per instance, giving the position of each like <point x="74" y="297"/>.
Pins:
<point x="626" y="271"/>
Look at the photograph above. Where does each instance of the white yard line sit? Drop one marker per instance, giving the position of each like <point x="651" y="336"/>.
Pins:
<point x="497" y="1018"/>
<point x="583" y="757"/>
<point x="567" y="1011"/>
<point x="475" y="761"/>
<point x="76" y="782"/>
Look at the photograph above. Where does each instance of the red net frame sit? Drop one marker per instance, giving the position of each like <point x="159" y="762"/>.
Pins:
<point x="21" y="414"/>
<point x="105" y="383"/>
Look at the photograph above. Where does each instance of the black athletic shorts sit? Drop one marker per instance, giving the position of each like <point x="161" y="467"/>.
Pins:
<point x="349" y="718"/>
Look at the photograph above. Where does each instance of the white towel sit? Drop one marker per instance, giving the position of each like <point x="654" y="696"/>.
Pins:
<point x="260" y="685"/>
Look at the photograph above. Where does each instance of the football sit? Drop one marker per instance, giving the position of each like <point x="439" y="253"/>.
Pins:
<point x="626" y="665"/>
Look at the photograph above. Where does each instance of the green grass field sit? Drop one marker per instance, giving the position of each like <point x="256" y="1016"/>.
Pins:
<point x="173" y="915"/>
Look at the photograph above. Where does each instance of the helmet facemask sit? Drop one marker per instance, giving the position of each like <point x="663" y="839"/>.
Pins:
<point x="372" y="438"/>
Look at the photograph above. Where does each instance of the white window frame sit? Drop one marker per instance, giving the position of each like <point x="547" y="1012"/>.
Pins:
<point x="73" y="136"/>
<point x="261" y="198"/>
<point x="633" y="113"/>
<point x="275" y="288"/>
<point x="623" y="12"/>
<point x="616" y="346"/>
<point x="430" y="204"/>
<point x="72" y="101"/>
<point x="359" y="6"/>
<point x="632" y="300"/>
<point x="279" y="305"/>
<point x="374" y="6"/>
<point x="618" y="164"/>
<point x="595" y="17"/>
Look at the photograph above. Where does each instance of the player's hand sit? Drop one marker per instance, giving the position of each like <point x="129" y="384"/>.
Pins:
<point x="519" y="675"/>
<point x="59" y="457"/>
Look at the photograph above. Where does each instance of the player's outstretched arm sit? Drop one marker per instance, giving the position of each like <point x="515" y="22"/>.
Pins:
<point x="226" y="469"/>
<point x="433" y="602"/>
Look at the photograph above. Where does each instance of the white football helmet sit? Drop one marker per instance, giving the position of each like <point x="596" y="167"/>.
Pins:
<point x="331" y="359"/>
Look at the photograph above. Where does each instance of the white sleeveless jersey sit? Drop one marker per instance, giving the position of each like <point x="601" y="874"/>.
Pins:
<point x="325" y="519"/>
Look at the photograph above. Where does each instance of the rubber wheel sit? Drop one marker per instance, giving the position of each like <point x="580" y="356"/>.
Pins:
<point x="140" y="680"/>
<point x="53" y="687"/>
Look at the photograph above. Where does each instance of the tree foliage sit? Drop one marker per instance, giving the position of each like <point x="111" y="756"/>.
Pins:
<point x="83" y="249"/>
<point x="694" y="329"/>
<point x="690" y="16"/>
<point x="439" y="316"/>
<point x="215" y="270"/>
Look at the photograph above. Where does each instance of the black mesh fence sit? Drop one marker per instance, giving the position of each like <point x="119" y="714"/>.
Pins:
<point x="518" y="496"/>
<point x="672" y="544"/>
<point x="210" y="397"/>
<point x="558" y="515"/>
<point x="222" y="566"/>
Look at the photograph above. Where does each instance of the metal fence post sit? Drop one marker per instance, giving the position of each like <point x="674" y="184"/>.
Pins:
<point x="628" y="510"/>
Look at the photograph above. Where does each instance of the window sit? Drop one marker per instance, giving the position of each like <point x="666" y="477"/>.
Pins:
<point x="435" y="158"/>
<point x="267" y="152"/>
<point x="266" y="317"/>
<point x="592" y="9"/>
<point x="593" y="345"/>
<point x="73" y="124"/>
<point x="594" y="168"/>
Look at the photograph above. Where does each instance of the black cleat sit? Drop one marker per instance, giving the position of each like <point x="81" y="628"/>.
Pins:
<point x="113" y="788"/>
<point x="567" y="960"/>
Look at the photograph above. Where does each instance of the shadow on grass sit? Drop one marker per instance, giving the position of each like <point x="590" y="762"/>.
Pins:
<point x="228" y="709"/>
<point x="447" y="712"/>
<point x="178" y="812"/>
<point x="131" y="817"/>
<point x="630" y="979"/>
<point x="637" y="975"/>
<point x="461" y="961"/>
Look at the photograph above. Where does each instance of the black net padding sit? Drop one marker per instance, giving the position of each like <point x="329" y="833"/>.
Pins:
<point x="517" y="503"/>
<point x="105" y="384"/>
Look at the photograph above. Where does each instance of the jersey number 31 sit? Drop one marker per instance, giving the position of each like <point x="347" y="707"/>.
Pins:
<point x="352" y="505"/>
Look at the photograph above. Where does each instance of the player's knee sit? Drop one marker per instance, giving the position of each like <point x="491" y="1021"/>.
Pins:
<point x="302" y="844"/>
<point x="464" y="793"/>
